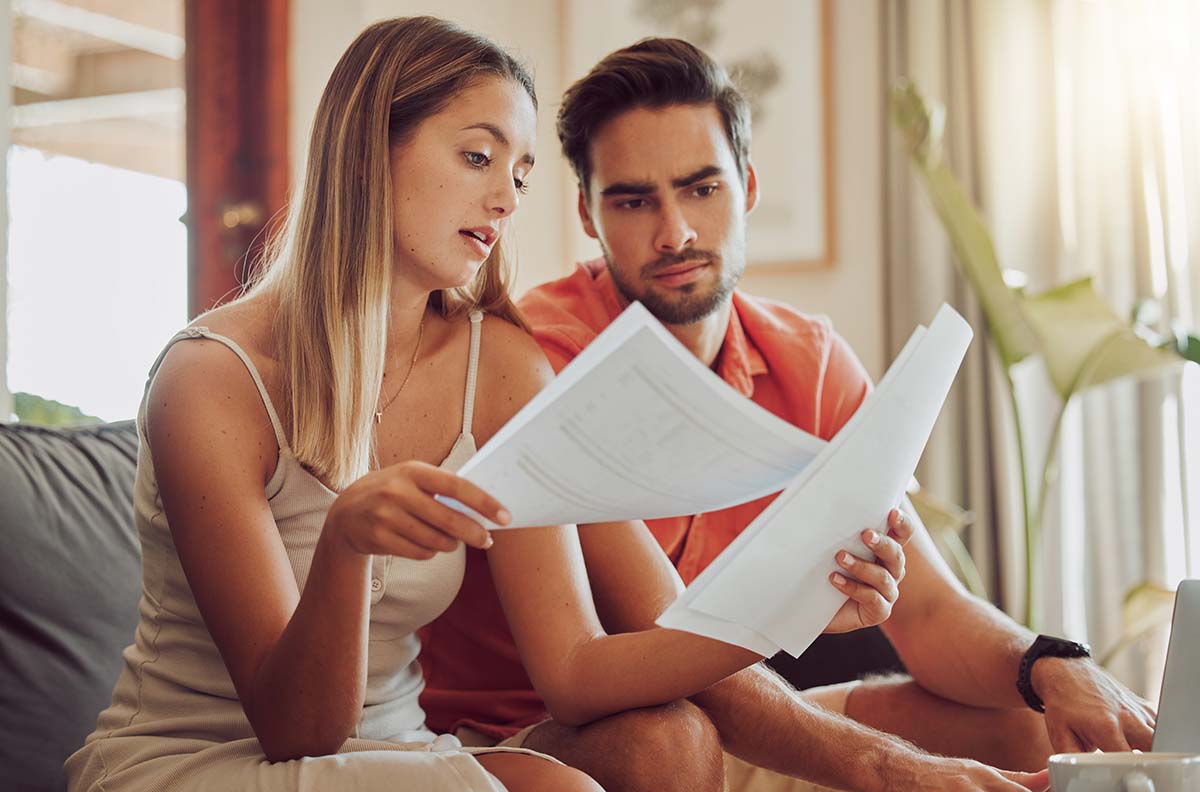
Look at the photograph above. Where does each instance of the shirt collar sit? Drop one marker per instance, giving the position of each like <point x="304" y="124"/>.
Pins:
<point x="739" y="361"/>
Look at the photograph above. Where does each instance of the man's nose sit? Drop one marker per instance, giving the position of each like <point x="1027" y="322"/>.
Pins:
<point x="674" y="233"/>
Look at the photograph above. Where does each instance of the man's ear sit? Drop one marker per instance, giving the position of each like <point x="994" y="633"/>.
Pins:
<point x="585" y="217"/>
<point x="751" y="187"/>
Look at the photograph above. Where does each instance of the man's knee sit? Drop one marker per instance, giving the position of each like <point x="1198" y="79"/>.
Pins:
<point x="671" y="747"/>
<point x="676" y="729"/>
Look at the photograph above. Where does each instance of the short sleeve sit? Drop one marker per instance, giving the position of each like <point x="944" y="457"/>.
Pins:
<point x="846" y="384"/>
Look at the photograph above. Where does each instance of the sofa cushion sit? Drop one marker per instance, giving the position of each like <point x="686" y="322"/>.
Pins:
<point x="70" y="577"/>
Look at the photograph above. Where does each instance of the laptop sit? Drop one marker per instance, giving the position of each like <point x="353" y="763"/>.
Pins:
<point x="1178" y="729"/>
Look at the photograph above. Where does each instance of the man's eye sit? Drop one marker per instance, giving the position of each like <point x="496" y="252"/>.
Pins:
<point x="706" y="190"/>
<point x="478" y="159"/>
<point x="632" y="203"/>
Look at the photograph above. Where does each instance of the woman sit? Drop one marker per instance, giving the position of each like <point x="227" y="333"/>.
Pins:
<point x="291" y="452"/>
<point x="283" y="582"/>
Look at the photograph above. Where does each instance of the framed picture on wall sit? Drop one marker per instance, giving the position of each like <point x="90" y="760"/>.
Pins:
<point x="778" y="52"/>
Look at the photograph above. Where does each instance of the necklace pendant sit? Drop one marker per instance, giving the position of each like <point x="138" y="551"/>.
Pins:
<point x="378" y="417"/>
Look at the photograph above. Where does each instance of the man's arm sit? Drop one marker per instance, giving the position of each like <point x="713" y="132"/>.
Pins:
<point x="1085" y="707"/>
<point x="758" y="715"/>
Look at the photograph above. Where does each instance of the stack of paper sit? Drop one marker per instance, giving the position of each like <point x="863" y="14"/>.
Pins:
<point x="769" y="589"/>
<point x="636" y="428"/>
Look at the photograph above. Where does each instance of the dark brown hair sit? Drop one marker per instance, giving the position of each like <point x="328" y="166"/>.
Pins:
<point x="655" y="72"/>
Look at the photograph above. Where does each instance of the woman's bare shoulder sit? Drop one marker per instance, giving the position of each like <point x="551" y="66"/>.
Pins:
<point x="508" y="352"/>
<point x="512" y="369"/>
<point x="204" y="399"/>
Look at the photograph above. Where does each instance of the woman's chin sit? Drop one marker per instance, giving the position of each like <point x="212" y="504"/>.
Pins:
<point x="462" y="278"/>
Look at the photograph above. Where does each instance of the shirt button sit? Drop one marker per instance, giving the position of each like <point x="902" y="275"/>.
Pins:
<point x="376" y="584"/>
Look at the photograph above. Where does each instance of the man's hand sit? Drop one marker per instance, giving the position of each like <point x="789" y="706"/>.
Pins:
<point x="964" y="775"/>
<point x="908" y="770"/>
<point x="872" y="586"/>
<point x="1087" y="709"/>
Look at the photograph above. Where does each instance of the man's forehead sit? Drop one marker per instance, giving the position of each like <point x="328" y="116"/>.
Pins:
<point x="659" y="145"/>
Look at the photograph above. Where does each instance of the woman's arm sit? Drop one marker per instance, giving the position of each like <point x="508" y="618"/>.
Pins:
<point x="581" y="672"/>
<point x="213" y="451"/>
<point x="297" y="659"/>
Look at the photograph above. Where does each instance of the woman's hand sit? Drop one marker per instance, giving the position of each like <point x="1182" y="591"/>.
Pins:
<point x="393" y="511"/>
<point x="872" y="586"/>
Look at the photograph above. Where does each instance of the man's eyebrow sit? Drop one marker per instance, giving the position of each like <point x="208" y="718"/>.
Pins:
<point x="646" y="188"/>
<point x="707" y="172"/>
<point x="501" y="138"/>
<point x="629" y="188"/>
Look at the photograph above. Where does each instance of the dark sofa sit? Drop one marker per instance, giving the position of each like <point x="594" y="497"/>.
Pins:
<point x="70" y="577"/>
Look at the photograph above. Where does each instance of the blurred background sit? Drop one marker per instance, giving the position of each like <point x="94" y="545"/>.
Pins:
<point x="150" y="141"/>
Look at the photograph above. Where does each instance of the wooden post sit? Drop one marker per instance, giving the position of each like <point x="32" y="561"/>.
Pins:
<point x="237" y="132"/>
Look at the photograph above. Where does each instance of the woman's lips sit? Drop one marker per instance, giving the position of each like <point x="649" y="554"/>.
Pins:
<point x="476" y="244"/>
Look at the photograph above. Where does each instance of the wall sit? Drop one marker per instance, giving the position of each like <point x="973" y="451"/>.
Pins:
<point x="850" y="292"/>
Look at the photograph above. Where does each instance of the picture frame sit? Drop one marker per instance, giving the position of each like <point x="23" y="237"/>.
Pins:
<point x="780" y="55"/>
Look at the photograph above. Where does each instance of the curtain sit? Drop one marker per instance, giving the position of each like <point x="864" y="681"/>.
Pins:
<point x="1075" y="126"/>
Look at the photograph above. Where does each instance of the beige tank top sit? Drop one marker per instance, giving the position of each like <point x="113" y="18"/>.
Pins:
<point x="174" y="683"/>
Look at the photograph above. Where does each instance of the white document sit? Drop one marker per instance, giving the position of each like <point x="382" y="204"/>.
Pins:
<point x="635" y="428"/>
<point x="769" y="589"/>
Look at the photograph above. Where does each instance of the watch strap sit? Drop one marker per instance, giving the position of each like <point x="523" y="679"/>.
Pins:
<point x="1044" y="646"/>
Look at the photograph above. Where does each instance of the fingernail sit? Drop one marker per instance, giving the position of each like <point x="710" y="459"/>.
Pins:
<point x="487" y="542"/>
<point x="503" y="517"/>
<point x="845" y="558"/>
<point x="838" y="580"/>
<point x="872" y="538"/>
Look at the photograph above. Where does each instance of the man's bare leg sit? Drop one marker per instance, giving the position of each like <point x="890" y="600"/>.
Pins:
<point x="670" y="748"/>
<point x="1013" y="739"/>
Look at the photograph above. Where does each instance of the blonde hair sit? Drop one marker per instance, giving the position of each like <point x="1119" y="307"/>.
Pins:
<point x="330" y="266"/>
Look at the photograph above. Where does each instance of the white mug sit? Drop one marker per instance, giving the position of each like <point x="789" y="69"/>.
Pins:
<point x="1125" y="772"/>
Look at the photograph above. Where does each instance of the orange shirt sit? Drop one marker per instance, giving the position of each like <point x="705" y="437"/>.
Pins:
<point x="789" y="363"/>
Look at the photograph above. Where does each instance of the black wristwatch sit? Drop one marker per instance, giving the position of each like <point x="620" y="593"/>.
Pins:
<point x="1044" y="646"/>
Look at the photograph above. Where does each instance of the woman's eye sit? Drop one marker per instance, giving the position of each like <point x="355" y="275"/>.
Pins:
<point x="521" y="185"/>
<point x="478" y="159"/>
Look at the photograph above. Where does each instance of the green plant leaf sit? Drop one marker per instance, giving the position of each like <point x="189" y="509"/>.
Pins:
<point x="945" y="523"/>
<point x="939" y="516"/>
<point x="974" y="252"/>
<point x="1188" y="346"/>
<point x="33" y="409"/>
<point x="1084" y="342"/>
<point x="1145" y="607"/>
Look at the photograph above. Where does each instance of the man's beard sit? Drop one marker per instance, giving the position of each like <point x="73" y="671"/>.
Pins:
<point x="688" y="303"/>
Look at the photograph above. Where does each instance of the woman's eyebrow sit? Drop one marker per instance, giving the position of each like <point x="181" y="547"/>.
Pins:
<point x="499" y="135"/>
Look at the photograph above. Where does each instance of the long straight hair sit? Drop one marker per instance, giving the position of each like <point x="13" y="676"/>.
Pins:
<point x="330" y="267"/>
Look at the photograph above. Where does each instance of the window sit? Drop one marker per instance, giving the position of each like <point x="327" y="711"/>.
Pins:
<point x="97" y="252"/>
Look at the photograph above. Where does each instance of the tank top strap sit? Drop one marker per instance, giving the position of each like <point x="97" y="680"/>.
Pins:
<point x="204" y="332"/>
<point x="472" y="371"/>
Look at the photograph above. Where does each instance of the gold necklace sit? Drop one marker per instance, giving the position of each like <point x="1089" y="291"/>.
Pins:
<point x="411" y="364"/>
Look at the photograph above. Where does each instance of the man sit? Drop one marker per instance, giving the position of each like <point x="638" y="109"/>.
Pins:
<point x="659" y="141"/>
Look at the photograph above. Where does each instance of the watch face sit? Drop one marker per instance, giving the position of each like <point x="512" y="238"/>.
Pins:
<point x="1049" y="646"/>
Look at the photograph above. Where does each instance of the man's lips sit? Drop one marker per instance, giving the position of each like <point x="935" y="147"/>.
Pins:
<point x="678" y="268"/>
<point x="680" y="274"/>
